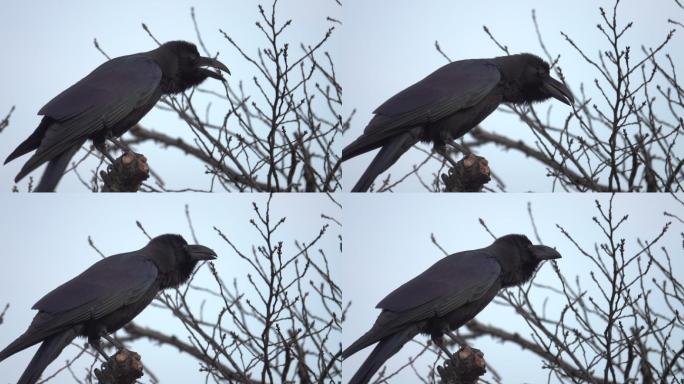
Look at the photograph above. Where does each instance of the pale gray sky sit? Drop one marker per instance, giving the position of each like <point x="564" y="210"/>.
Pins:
<point x="45" y="244"/>
<point x="387" y="242"/>
<point x="48" y="46"/>
<point x="388" y="46"/>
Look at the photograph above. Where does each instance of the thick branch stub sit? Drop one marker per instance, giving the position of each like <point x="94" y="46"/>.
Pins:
<point x="464" y="367"/>
<point x="126" y="174"/>
<point x="470" y="174"/>
<point x="125" y="367"/>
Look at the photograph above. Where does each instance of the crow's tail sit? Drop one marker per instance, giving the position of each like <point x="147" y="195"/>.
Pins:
<point x="388" y="155"/>
<point x="32" y="142"/>
<point x="51" y="348"/>
<point x="55" y="170"/>
<point x="385" y="349"/>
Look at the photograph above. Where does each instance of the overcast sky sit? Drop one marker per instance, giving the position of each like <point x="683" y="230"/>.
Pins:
<point x="387" y="242"/>
<point x="45" y="244"/>
<point x="48" y="46"/>
<point x="388" y="46"/>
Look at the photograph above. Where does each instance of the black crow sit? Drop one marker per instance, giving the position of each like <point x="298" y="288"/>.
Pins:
<point x="107" y="103"/>
<point x="446" y="296"/>
<point x="448" y="103"/>
<point x="104" y="298"/>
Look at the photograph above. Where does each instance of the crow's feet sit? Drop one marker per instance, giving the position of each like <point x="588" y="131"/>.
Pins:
<point x="123" y="147"/>
<point x="442" y="151"/>
<point x="439" y="341"/>
<point x="102" y="147"/>
<point x="95" y="343"/>
<point x="112" y="340"/>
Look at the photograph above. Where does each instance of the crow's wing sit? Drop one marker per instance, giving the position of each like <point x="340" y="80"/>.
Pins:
<point x="100" y="100"/>
<point x="106" y="286"/>
<point x="447" y="285"/>
<point x="123" y="82"/>
<point x="451" y="88"/>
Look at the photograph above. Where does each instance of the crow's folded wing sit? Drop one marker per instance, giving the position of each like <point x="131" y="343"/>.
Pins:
<point x="106" y="286"/>
<point x="451" y="88"/>
<point x="123" y="82"/>
<point x="100" y="100"/>
<point x="447" y="285"/>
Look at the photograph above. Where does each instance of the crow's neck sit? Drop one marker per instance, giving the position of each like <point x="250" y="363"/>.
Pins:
<point x="171" y="85"/>
<point x="175" y="277"/>
<point x="519" y="275"/>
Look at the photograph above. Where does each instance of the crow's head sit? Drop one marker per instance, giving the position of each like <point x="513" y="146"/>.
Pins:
<point x="527" y="79"/>
<point x="175" y="258"/>
<point x="183" y="67"/>
<point x="519" y="258"/>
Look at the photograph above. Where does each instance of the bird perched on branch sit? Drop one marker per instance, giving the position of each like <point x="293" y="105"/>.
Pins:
<point x="104" y="298"/>
<point x="107" y="103"/>
<point x="448" y="103"/>
<point x="446" y="296"/>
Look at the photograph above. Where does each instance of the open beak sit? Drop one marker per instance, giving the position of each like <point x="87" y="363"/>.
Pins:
<point x="200" y="252"/>
<point x="558" y="90"/>
<point x="213" y="63"/>
<point x="542" y="252"/>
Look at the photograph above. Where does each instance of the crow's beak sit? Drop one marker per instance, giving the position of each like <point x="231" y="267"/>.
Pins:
<point x="558" y="90"/>
<point x="200" y="252"/>
<point x="542" y="252"/>
<point x="214" y="63"/>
